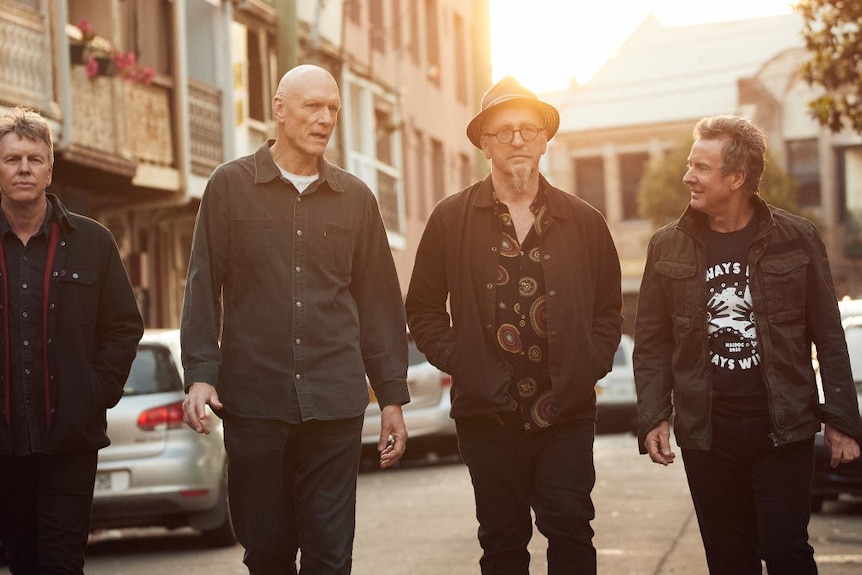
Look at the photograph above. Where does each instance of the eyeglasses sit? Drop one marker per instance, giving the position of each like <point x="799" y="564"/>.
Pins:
<point x="528" y="134"/>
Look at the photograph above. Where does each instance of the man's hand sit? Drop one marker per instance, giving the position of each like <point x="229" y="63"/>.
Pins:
<point x="841" y="446"/>
<point x="195" y="412"/>
<point x="393" y="436"/>
<point x="657" y="444"/>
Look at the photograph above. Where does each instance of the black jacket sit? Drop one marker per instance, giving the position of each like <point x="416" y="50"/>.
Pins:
<point x="458" y="259"/>
<point x="794" y="305"/>
<point x="92" y="329"/>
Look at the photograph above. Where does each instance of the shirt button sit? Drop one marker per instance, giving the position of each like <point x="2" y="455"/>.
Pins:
<point x="298" y="341"/>
<point x="26" y="342"/>
<point x="552" y="293"/>
<point x="24" y="286"/>
<point x="297" y="376"/>
<point x="527" y="426"/>
<point x="298" y="269"/>
<point x="490" y="286"/>
<point x="75" y="275"/>
<point x="299" y="232"/>
<point x="299" y="304"/>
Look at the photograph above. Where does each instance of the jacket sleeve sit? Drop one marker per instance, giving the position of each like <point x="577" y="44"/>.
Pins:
<point x="382" y="322"/>
<point x="840" y="408"/>
<point x="119" y="323"/>
<point x="201" y="315"/>
<point x="653" y="350"/>
<point x="427" y="315"/>
<point x="607" y="316"/>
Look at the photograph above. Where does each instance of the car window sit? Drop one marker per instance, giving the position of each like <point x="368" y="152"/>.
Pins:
<point x="153" y="371"/>
<point x="853" y="333"/>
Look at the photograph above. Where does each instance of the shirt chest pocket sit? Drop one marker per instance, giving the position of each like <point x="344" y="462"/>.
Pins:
<point x="785" y="282"/>
<point x="251" y="243"/>
<point x="339" y="243"/>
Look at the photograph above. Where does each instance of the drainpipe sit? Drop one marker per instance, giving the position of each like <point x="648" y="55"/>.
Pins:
<point x="181" y="97"/>
<point x="287" y="34"/>
<point x="64" y="75"/>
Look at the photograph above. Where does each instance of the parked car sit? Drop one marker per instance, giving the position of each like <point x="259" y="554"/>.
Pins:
<point x="616" y="398"/>
<point x="158" y="471"/>
<point x="429" y="427"/>
<point x="846" y="479"/>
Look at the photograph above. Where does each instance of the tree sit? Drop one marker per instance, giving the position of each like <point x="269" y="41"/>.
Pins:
<point x="662" y="197"/>
<point x="833" y="35"/>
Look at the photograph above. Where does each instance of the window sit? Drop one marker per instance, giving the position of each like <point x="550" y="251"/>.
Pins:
<point x="632" y="168"/>
<point x="432" y="41"/>
<point x="590" y="181"/>
<point x="415" y="40"/>
<point x="420" y="181"/>
<point x="374" y="148"/>
<point x="396" y="24"/>
<point x="438" y="171"/>
<point x="803" y="163"/>
<point x="461" y="57"/>
<point x="377" y="27"/>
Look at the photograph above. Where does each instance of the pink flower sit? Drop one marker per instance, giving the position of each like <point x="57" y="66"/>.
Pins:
<point x="87" y="32"/>
<point x="91" y="67"/>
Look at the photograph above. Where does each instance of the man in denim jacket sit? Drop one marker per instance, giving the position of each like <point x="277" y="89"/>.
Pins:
<point x="733" y="295"/>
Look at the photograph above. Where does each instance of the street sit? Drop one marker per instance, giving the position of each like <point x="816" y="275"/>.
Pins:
<point x="419" y="520"/>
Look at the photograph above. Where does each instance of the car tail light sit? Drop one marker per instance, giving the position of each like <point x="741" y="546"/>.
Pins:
<point x="163" y="417"/>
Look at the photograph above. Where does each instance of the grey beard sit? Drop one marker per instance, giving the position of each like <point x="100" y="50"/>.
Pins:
<point x="521" y="178"/>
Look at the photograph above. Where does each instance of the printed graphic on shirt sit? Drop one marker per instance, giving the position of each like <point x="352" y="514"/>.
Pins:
<point x="731" y="328"/>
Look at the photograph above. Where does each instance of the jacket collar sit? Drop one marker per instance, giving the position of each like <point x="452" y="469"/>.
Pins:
<point x="266" y="170"/>
<point x="695" y="223"/>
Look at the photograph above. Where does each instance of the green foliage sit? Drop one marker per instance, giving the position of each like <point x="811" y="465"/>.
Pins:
<point x="662" y="197"/>
<point x="833" y="36"/>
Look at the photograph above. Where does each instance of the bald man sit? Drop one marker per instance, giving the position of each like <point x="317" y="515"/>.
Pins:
<point x="291" y="300"/>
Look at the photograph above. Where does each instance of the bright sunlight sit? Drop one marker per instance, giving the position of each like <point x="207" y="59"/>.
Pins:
<point x="545" y="43"/>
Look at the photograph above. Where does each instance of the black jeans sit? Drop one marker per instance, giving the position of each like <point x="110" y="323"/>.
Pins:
<point x="752" y="499"/>
<point x="45" y="507"/>
<point x="551" y="471"/>
<point x="293" y="488"/>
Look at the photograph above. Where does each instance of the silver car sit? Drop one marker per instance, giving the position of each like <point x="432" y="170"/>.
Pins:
<point x="157" y="471"/>
<point x="429" y="427"/>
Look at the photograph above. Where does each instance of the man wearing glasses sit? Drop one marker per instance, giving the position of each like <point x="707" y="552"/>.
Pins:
<point x="532" y="279"/>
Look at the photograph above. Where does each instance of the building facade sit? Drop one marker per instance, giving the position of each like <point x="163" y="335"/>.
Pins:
<point x="645" y="102"/>
<point x="147" y="97"/>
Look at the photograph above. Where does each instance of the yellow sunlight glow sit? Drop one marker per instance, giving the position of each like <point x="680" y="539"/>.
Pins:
<point x="545" y="43"/>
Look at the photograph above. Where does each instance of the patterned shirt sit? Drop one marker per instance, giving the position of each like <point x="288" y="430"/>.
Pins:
<point x="520" y="316"/>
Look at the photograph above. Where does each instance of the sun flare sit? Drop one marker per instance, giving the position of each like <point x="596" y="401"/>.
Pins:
<point x="546" y="43"/>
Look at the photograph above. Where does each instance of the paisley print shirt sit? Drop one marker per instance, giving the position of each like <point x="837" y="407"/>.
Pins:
<point x="520" y="316"/>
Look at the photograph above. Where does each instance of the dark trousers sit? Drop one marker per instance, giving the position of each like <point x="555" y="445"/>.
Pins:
<point x="292" y="488"/>
<point x="752" y="500"/>
<point x="45" y="507"/>
<point x="551" y="471"/>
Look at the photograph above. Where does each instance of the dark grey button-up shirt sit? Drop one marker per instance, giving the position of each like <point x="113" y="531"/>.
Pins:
<point x="292" y="299"/>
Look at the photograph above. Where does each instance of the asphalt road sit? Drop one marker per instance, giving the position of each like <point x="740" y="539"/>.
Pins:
<point x="419" y="520"/>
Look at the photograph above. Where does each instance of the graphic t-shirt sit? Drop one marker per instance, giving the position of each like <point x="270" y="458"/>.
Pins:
<point x="738" y="387"/>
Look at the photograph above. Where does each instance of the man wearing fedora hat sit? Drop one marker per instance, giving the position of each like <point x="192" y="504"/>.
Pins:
<point x="532" y="281"/>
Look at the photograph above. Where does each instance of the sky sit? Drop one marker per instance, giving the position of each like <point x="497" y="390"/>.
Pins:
<point x="544" y="43"/>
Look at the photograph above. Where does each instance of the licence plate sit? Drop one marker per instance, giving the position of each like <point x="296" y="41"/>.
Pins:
<point x="112" y="481"/>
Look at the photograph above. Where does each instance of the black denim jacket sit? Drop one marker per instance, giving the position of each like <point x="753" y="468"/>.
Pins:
<point x="292" y="299"/>
<point x="794" y="305"/>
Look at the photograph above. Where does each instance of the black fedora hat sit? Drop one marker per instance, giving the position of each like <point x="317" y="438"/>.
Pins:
<point x="509" y="90"/>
